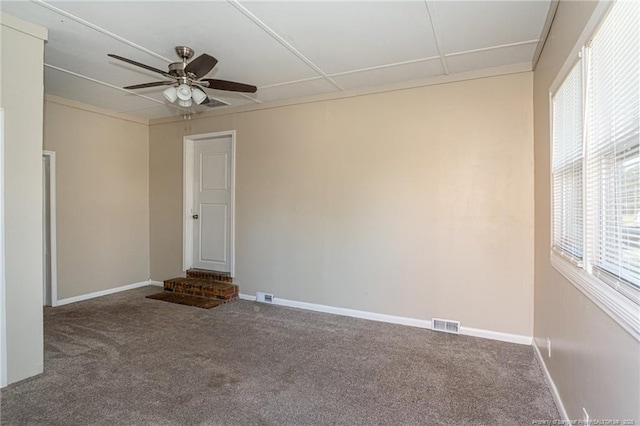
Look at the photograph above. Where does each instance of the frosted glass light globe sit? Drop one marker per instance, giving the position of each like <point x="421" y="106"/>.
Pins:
<point x="198" y="96"/>
<point x="171" y="94"/>
<point x="184" y="92"/>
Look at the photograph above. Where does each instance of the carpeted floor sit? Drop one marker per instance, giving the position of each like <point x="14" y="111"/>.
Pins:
<point x="126" y="360"/>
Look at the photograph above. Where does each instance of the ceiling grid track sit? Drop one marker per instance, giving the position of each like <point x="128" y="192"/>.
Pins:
<point x="436" y="35"/>
<point x="100" y="30"/>
<point x="302" y="80"/>
<point x="258" y="101"/>
<point x="397" y="64"/>
<point x="246" y="12"/>
<point x="75" y="74"/>
<point x="381" y="67"/>
<point x="487" y="49"/>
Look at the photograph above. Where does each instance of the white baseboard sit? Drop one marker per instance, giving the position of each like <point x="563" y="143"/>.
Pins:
<point x="156" y="283"/>
<point x="105" y="292"/>
<point x="552" y="385"/>
<point x="497" y="335"/>
<point x="413" y="322"/>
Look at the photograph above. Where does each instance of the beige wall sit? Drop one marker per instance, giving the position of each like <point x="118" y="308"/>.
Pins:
<point x="595" y="364"/>
<point x="417" y="203"/>
<point x="22" y="91"/>
<point x="102" y="198"/>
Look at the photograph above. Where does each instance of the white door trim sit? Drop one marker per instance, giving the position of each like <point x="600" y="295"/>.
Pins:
<point x="52" y="225"/>
<point x="188" y="146"/>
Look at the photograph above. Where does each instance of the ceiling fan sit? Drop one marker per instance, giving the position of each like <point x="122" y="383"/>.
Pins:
<point x="186" y="79"/>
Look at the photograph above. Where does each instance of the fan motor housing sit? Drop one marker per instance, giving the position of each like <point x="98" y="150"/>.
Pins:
<point x="177" y="69"/>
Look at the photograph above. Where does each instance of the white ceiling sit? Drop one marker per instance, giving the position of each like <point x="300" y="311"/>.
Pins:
<point x="287" y="49"/>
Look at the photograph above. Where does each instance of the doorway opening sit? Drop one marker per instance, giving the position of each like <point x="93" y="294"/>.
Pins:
<point x="49" y="270"/>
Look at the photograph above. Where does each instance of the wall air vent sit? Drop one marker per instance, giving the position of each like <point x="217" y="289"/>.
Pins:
<point x="447" y="326"/>
<point x="264" y="297"/>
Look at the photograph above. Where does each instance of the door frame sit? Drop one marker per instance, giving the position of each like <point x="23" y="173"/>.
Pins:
<point x="52" y="226"/>
<point x="188" y="170"/>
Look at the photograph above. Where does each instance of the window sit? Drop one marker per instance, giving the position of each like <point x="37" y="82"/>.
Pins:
<point x="596" y="168"/>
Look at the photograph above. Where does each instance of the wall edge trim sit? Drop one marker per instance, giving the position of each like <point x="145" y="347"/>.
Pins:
<point x="24" y="27"/>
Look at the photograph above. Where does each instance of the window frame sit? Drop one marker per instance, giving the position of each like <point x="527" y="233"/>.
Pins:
<point x="614" y="303"/>
<point x="570" y="65"/>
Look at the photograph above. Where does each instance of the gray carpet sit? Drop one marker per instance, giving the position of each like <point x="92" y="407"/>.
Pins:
<point x="126" y="360"/>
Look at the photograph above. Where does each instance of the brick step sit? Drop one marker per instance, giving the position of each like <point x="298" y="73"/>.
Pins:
<point x="210" y="275"/>
<point x="185" y="299"/>
<point x="202" y="288"/>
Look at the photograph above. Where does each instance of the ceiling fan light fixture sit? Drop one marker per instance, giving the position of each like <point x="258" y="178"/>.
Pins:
<point x="186" y="81"/>
<point x="170" y="94"/>
<point x="184" y="92"/>
<point x="198" y="96"/>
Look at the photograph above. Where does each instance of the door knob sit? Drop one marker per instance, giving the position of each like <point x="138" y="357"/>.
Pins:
<point x="195" y="216"/>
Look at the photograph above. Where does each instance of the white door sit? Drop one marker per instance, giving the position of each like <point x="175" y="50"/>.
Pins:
<point x="212" y="213"/>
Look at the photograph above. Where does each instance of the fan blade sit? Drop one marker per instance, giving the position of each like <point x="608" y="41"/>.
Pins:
<point x="138" y="64"/>
<point x="201" y="65"/>
<point x="231" y="86"/>
<point x="152" y="84"/>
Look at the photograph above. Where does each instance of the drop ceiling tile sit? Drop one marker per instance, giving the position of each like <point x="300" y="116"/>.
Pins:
<point x="395" y="74"/>
<point x="346" y="36"/>
<point x="245" y="52"/>
<point x="468" y="25"/>
<point x="70" y="87"/>
<point x="295" y="90"/>
<point x="491" y="58"/>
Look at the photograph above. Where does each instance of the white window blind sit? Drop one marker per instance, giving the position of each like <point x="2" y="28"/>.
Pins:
<point x="612" y="150"/>
<point x="567" y="167"/>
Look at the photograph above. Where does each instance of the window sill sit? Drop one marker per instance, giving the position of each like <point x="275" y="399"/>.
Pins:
<point x="621" y="309"/>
